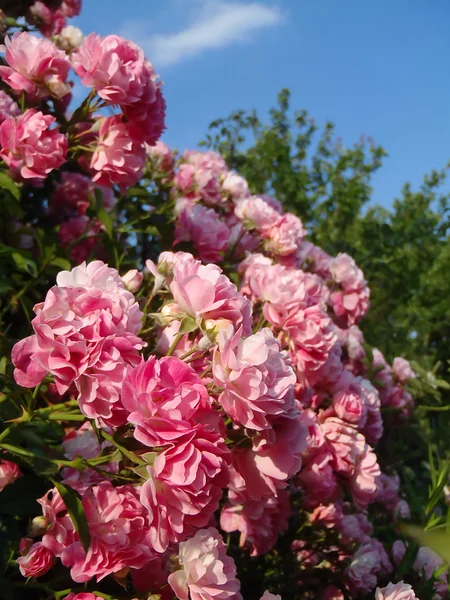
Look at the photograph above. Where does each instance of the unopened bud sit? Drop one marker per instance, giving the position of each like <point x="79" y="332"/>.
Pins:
<point x="132" y="280"/>
<point x="38" y="527"/>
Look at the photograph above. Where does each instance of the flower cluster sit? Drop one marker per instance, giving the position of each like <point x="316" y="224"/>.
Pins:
<point x="224" y="388"/>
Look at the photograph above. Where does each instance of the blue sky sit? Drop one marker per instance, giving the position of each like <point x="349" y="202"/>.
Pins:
<point x="375" y="68"/>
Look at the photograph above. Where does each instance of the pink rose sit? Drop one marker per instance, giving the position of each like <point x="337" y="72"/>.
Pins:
<point x="203" y="227"/>
<point x="285" y="237"/>
<point x="184" y="486"/>
<point x="255" y="375"/>
<point x="9" y="472"/>
<point x="37" y="561"/>
<point x="402" y="369"/>
<point x="71" y="232"/>
<point x="204" y="293"/>
<point x="268" y="596"/>
<point x="8" y="108"/>
<point x="118" y="527"/>
<point x="396" y="591"/>
<point x="206" y="570"/>
<point x="369" y="562"/>
<point x="29" y="147"/>
<point x="119" y="157"/>
<point x="36" y="66"/>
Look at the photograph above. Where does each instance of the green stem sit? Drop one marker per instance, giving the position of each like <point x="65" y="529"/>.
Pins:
<point x="29" y="454"/>
<point x="174" y="344"/>
<point x="130" y="455"/>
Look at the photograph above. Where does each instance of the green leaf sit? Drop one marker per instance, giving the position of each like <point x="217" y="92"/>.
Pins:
<point x="106" y="220"/>
<point x="187" y="325"/>
<point x="8" y="184"/>
<point x="62" y="263"/>
<point x="436" y="540"/>
<point x="75" y="508"/>
<point x="25" y="264"/>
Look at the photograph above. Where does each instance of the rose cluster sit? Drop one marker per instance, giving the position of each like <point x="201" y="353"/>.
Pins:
<point x="223" y="390"/>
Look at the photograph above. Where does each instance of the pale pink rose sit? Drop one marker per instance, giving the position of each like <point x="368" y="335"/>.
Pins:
<point x="369" y="562"/>
<point x="268" y="596"/>
<point x="50" y="21"/>
<point x="396" y="591"/>
<point x="398" y="551"/>
<point x="349" y="403"/>
<point x="318" y="478"/>
<point x="285" y="237"/>
<point x="36" y="560"/>
<point x="118" y="527"/>
<point x="259" y="521"/>
<point x="203" y="227"/>
<point x="345" y="443"/>
<point x="206" y="572"/>
<point x="373" y="427"/>
<point x="354" y="528"/>
<point x="351" y="301"/>
<point x="255" y="375"/>
<point x="327" y="515"/>
<point x="311" y="338"/>
<point x="236" y="186"/>
<point x="29" y="147"/>
<point x="427" y="562"/>
<point x="257" y="214"/>
<point x="165" y="399"/>
<point x="383" y="376"/>
<point x="161" y="156"/>
<point x="9" y="472"/>
<point x="184" y="486"/>
<point x="198" y="183"/>
<point x="388" y="492"/>
<point x="36" y="66"/>
<point x="132" y="280"/>
<point x="364" y="480"/>
<point x="8" y="108"/>
<point x="69" y="38"/>
<point x="116" y="68"/>
<point x="85" y="333"/>
<point x="55" y="525"/>
<point x="82" y="235"/>
<point x="204" y="293"/>
<point x="275" y="456"/>
<point x="312" y="258"/>
<point x="402" y="369"/>
<point x="74" y="193"/>
<point x="206" y="160"/>
<point x="119" y="157"/>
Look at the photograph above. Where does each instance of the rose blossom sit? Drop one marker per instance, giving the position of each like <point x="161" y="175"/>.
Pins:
<point x="36" y="66"/>
<point x="259" y="521"/>
<point x="69" y="38"/>
<point x="402" y="369"/>
<point x="119" y="157"/>
<point x="8" y="108"/>
<point x="29" y="147"/>
<point x="165" y="399"/>
<point x="37" y="559"/>
<point x="9" y="472"/>
<point x="205" y="230"/>
<point x="255" y="375"/>
<point x="256" y="213"/>
<point x="368" y="563"/>
<point x="184" y="485"/>
<point x="207" y="572"/>
<point x="85" y="333"/>
<point x="82" y="596"/>
<point x="285" y="237"/>
<point x="204" y="293"/>
<point x="161" y="156"/>
<point x="82" y="234"/>
<point x="132" y="280"/>
<point x="235" y="185"/>
<point x="427" y="562"/>
<point x="116" y="68"/>
<point x="74" y="193"/>
<point x="268" y="596"/>
<point x="396" y="591"/>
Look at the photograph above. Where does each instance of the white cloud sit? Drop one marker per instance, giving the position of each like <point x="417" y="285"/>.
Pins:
<point x="214" y="24"/>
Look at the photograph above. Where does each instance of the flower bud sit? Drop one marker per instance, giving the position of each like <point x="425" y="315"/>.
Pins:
<point x="132" y="280"/>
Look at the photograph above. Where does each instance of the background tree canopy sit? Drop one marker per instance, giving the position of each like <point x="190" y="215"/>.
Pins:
<point x="404" y="251"/>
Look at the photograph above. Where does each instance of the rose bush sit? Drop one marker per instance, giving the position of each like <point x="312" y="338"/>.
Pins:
<point x="188" y="405"/>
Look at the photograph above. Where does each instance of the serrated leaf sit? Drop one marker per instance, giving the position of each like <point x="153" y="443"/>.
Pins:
<point x="75" y="508"/>
<point x="8" y="184"/>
